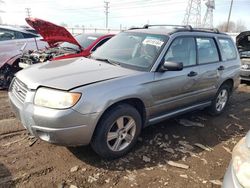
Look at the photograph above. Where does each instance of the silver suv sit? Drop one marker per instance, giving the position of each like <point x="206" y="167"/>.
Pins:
<point x="138" y="78"/>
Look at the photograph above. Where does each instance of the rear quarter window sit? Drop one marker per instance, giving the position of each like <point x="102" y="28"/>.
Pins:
<point x="228" y="51"/>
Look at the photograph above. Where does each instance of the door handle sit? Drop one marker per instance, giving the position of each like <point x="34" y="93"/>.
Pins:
<point x="220" y="68"/>
<point x="192" y="73"/>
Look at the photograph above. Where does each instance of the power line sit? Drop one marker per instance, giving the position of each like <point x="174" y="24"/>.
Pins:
<point x="106" y="6"/>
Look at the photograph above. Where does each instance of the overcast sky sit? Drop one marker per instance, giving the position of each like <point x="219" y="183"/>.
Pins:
<point x="126" y="12"/>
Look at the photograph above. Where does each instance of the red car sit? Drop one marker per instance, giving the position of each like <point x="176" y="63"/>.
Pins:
<point x="62" y="44"/>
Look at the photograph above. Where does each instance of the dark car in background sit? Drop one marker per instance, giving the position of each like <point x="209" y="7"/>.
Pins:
<point x="62" y="44"/>
<point x="243" y="44"/>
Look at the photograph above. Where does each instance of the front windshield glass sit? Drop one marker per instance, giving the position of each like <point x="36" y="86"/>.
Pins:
<point x="85" y="40"/>
<point x="132" y="50"/>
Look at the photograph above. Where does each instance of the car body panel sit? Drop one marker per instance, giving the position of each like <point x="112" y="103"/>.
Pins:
<point x="230" y="180"/>
<point x="78" y="67"/>
<point x="51" y="33"/>
<point x="243" y="41"/>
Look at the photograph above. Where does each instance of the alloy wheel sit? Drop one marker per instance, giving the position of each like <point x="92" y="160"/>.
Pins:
<point x="121" y="133"/>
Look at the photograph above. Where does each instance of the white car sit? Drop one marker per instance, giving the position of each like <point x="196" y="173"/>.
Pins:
<point x="13" y="42"/>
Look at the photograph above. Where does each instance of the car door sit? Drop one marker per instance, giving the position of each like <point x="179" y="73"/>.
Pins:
<point x="209" y="67"/>
<point x="229" y="59"/>
<point x="174" y="90"/>
<point x="8" y="46"/>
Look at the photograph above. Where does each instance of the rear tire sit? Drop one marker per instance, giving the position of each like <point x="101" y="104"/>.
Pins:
<point x="117" y="131"/>
<point x="220" y="101"/>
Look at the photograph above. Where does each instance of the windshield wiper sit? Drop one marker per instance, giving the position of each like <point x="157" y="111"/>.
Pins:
<point x="108" y="61"/>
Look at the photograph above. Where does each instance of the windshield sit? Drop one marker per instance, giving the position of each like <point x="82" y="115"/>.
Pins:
<point x="132" y="50"/>
<point x="85" y="40"/>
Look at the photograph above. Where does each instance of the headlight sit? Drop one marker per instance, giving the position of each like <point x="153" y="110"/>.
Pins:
<point x="53" y="98"/>
<point x="241" y="163"/>
<point x="245" y="66"/>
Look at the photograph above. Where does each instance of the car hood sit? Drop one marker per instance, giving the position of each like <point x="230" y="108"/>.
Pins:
<point x="51" y="33"/>
<point x="70" y="73"/>
<point x="243" y="41"/>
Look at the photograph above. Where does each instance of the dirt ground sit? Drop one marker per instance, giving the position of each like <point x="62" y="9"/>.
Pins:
<point x="27" y="162"/>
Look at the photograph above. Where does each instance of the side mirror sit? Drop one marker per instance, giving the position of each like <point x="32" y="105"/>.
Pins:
<point x="171" y="66"/>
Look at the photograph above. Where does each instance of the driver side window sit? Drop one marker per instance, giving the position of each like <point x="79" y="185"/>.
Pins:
<point x="182" y="50"/>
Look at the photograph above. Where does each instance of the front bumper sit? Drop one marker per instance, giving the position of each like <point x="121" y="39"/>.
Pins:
<point x="230" y="180"/>
<point x="63" y="127"/>
<point x="245" y="74"/>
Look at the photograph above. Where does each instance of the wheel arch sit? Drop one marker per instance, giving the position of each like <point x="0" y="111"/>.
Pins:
<point x="230" y="83"/>
<point x="137" y="103"/>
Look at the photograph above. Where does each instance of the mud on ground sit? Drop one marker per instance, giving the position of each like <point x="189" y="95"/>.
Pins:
<point x="27" y="162"/>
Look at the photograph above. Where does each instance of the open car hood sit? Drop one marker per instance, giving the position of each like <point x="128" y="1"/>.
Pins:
<point x="51" y="33"/>
<point x="243" y="41"/>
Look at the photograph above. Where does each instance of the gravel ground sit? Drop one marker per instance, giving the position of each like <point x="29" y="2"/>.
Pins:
<point x="169" y="154"/>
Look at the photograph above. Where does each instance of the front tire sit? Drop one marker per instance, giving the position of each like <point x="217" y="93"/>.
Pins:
<point x="117" y="131"/>
<point x="220" y="101"/>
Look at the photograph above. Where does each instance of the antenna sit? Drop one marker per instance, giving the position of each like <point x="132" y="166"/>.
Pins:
<point x="193" y="13"/>
<point x="208" y="18"/>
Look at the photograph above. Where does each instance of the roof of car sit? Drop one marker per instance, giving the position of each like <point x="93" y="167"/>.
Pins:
<point x="19" y="29"/>
<point x="162" y="30"/>
<point x="97" y="34"/>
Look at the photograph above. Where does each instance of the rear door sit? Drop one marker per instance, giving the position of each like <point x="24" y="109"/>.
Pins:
<point x="230" y="60"/>
<point x="209" y="67"/>
<point x="173" y="90"/>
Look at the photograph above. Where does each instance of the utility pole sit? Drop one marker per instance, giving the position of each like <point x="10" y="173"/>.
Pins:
<point x="28" y="12"/>
<point x="229" y="15"/>
<point x="1" y="11"/>
<point x="193" y="13"/>
<point x="106" y="6"/>
<point x="208" y="18"/>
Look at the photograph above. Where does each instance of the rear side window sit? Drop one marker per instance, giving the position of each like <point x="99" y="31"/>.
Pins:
<point x="207" y="50"/>
<point x="182" y="50"/>
<point x="6" y="35"/>
<point x="228" y="51"/>
<point x="18" y="35"/>
<point x="28" y="35"/>
<point x="100" y="43"/>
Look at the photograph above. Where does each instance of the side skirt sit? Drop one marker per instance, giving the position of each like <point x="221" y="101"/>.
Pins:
<point x="178" y="112"/>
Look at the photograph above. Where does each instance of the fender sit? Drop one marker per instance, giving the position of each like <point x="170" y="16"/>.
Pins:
<point x="11" y="60"/>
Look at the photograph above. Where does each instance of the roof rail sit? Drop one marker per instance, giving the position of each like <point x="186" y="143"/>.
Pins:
<point x="215" y="30"/>
<point x="189" y="27"/>
<point x="133" y="28"/>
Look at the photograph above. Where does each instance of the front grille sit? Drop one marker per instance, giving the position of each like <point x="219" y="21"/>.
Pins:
<point x="19" y="90"/>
